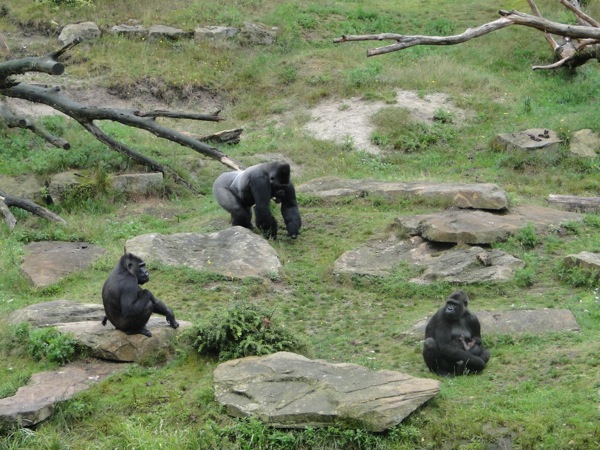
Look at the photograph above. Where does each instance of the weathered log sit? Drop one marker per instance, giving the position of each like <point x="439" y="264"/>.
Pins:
<point x="223" y="137"/>
<point x="573" y="55"/>
<point x="574" y="203"/>
<point x="30" y="206"/>
<point x="11" y="221"/>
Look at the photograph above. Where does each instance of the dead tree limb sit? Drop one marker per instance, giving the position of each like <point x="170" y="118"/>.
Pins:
<point x="11" y="221"/>
<point x="573" y="54"/>
<point x="30" y="206"/>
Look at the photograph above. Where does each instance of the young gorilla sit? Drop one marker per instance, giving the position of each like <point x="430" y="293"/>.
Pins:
<point x="453" y="339"/>
<point x="238" y="191"/>
<point x="126" y="304"/>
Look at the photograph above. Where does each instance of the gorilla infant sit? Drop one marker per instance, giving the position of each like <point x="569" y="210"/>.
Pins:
<point x="238" y="191"/>
<point x="453" y="339"/>
<point x="126" y="304"/>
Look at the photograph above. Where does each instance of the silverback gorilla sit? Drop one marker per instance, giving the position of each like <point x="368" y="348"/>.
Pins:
<point x="238" y="191"/>
<point x="453" y="339"/>
<point x="126" y="304"/>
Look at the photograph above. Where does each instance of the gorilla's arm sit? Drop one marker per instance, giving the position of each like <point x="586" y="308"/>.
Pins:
<point x="260" y="187"/>
<point x="290" y="211"/>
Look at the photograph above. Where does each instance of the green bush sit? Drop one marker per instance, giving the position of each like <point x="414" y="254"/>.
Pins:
<point x="52" y="345"/>
<point x="243" y="330"/>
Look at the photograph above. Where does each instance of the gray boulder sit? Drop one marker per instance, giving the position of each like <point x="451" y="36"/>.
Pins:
<point x="83" y="30"/>
<point x="585" y="143"/>
<point x="440" y="262"/>
<point x="286" y="390"/>
<point x="129" y="30"/>
<point x="167" y="33"/>
<point x="57" y="311"/>
<point x="105" y="342"/>
<point x="480" y="227"/>
<point x="215" y="33"/>
<point x="63" y="183"/>
<point x="234" y="252"/>
<point x="252" y="34"/>
<point x="477" y="196"/>
<point x="138" y="184"/>
<point x="514" y="322"/>
<point x="24" y="186"/>
<point x="532" y="139"/>
<point x="36" y="401"/>
<point x="47" y="262"/>
<point x="585" y="260"/>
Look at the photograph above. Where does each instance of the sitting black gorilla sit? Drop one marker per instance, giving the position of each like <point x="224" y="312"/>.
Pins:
<point x="453" y="339"/>
<point x="127" y="305"/>
<point x="238" y="191"/>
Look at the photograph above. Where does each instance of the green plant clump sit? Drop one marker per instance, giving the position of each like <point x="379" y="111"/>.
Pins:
<point x="243" y="330"/>
<point x="52" y="345"/>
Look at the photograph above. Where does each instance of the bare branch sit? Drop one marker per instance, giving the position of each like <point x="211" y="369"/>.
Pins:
<point x="30" y="206"/>
<point x="11" y="221"/>
<point x="582" y="17"/>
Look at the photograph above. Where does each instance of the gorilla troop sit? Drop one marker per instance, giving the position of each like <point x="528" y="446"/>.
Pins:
<point x="126" y="304"/>
<point x="238" y="191"/>
<point x="453" y="339"/>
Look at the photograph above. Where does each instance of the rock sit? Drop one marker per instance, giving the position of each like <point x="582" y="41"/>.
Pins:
<point x="479" y="227"/>
<point x="23" y="186"/>
<point x="441" y="262"/>
<point x="138" y="184"/>
<point x="286" y="390"/>
<point x="57" y="311"/>
<point x="473" y="265"/>
<point x="35" y="402"/>
<point x="532" y="139"/>
<point x="137" y="31"/>
<point x="234" y="252"/>
<point x="477" y="196"/>
<point x="585" y="143"/>
<point x="252" y="34"/>
<point x="84" y="30"/>
<point x="585" y="260"/>
<point x="105" y="342"/>
<point x="63" y="183"/>
<point x="513" y="322"/>
<point x="215" y="33"/>
<point x="167" y="33"/>
<point x="47" y="262"/>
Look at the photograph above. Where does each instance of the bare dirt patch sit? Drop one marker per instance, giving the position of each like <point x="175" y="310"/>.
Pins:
<point x="350" y="120"/>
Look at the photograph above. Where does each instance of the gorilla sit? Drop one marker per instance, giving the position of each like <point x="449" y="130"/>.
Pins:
<point x="453" y="339"/>
<point x="238" y="191"/>
<point x="126" y="304"/>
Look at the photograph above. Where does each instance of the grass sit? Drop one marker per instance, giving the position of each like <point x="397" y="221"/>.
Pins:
<point x="538" y="392"/>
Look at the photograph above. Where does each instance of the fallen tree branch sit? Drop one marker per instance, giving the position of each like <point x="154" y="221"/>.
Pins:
<point x="30" y="206"/>
<point x="11" y="221"/>
<point x="567" y="56"/>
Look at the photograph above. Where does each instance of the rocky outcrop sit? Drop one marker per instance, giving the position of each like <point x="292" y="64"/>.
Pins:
<point x="514" y="322"/>
<point x="585" y="143"/>
<point x="50" y="313"/>
<point x="47" y="262"/>
<point x="83" y="30"/>
<point x="476" y="196"/>
<point x="290" y="391"/>
<point x="234" y="252"/>
<point x="105" y="342"/>
<point x="532" y="139"/>
<point x="28" y="187"/>
<point x="440" y="262"/>
<point x="585" y="260"/>
<point x="481" y="227"/>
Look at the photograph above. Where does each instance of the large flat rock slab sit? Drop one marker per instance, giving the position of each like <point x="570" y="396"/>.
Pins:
<point x="57" y="311"/>
<point x="441" y="262"/>
<point x="287" y="390"/>
<point x="105" y="342"/>
<point x="234" y="252"/>
<point x="36" y="401"/>
<point x="476" y="196"/>
<point x="48" y="262"/>
<point x="586" y="260"/>
<point x="481" y="227"/>
<point x="518" y="321"/>
<point x="531" y="139"/>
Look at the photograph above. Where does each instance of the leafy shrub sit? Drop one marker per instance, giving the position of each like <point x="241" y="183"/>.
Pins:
<point x="243" y="330"/>
<point x="576" y="276"/>
<point x="52" y="345"/>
